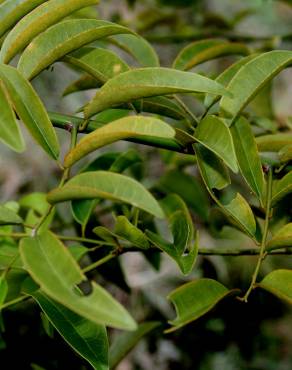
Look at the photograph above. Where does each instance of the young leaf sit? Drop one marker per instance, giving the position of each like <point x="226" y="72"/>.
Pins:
<point x="215" y="135"/>
<point x="192" y="300"/>
<point x="125" y="342"/>
<point x="52" y="267"/>
<point x="124" y="128"/>
<point x="30" y="109"/>
<point x="279" y="283"/>
<point x="87" y="338"/>
<point x="61" y="39"/>
<point x="282" y="187"/>
<point x="283" y="238"/>
<point x="248" y="157"/>
<point x="11" y="11"/>
<point x="9" y="217"/>
<point x="36" y="22"/>
<point x="108" y="185"/>
<point x="201" y="51"/>
<point x="251" y="78"/>
<point x="102" y="64"/>
<point x="147" y="82"/>
<point x="138" y="48"/>
<point x="9" y="129"/>
<point x="273" y="143"/>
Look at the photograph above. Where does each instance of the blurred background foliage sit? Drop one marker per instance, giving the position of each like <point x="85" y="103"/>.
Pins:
<point x="234" y="336"/>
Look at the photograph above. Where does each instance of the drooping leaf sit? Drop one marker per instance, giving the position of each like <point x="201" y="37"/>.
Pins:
<point x="61" y="39"/>
<point x="138" y="48"/>
<point x="201" y="51"/>
<point x="251" y="78"/>
<point x="147" y="82"/>
<point x="108" y="185"/>
<point x="87" y="338"/>
<point x="281" y="187"/>
<point x="124" y="128"/>
<point x="52" y="267"/>
<point x="125" y="342"/>
<point x="194" y="299"/>
<point x="36" y="22"/>
<point x="283" y="237"/>
<point x="9" y="129"/>
<point x="30" y="109"/>
<point x="274" y="142"/>
<point x="11" y="11"/>
<point x="215" y="135"/>
<point x="102" y="64"/>
<point x="9" y="217"/>
<point x="279" y="283"/>
<point x="248" y="157"/>
<point x="215" y="173"/>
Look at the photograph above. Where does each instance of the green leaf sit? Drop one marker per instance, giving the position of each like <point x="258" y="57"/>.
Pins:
<point x="138" y="48"/>
<point x="248" y="156"/>
<point x="147" y="82"/>
<point x="188" y="188"/>
<point x="126" y="230"/>
<point x="194" y="299"/>
<point x="51" y="265"/>
<point x="85" y="82"/>
<point x="125" y="160"/>
<point x="108" y="185"/>
<point x="11" y="11"/>
<point x="251" y="78"/>
<point x="124" y="128"/>
<point x="125" y="342"/>
<point x="30" y="109"/>
<point x="279" y="283"/>
<point x="36" y="22"/>
<point x="281" y="187"/>
<point x="9" y="129"/>
<point x="102" y="64"/>
<point x="8" y="255"/>
<point x="285" y="154"/>
<point x="3" y="289"/>
<point x="274" y="143"/>
<point x="201" y="51"/>
<point x="9" y="217"/>
<point x="214" y="171"/>
<point x="87" y="338"/>
<point x="225" y="77"/>
<point x="215" y="135"/>
<point x="283" y="238"/>
<point x="61" y="39"/>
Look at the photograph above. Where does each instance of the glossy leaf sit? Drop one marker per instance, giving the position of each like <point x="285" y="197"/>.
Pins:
<point x="248" y="157"/>
<point x="282" y="187"/>
<point x="108" y="185"/>
<point x="201" y="51"/>
<point x="61" y="39"/>
<point x="251" y="78"/>
<point x="12" y="11"/>
<point x="52" y="267"/>
<point x="87" y="338"/>
<point x="279" y="283"/>
<point x="37" y="21"/>
<point x="147" y="82"/>
<point x="9" y="129"/>
<point x="225" y="77"/>
<point x="215" y="173"/>
<point x="273" y="143"/>
<point x="194" y="299"/>
<point x="100" y="63"/>
<point x="215" y="135"/>
<point x="125" y="342"/>
<point x="138" y="48"/>
<point x="30" y="109"/>
<point x="9" y="217"/>
<point x="125" y="128"/>
<point x="282" y="238"/>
